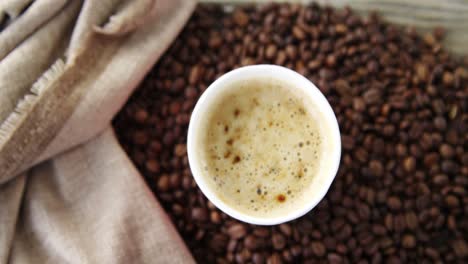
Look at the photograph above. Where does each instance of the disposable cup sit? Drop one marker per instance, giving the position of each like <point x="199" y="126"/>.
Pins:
<point x="328" y="164"/>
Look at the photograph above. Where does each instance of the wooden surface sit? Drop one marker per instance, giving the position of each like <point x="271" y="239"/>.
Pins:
<point x="424" y="15"/>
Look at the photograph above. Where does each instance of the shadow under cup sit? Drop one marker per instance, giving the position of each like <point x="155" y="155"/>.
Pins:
<point x="328" y="162"/>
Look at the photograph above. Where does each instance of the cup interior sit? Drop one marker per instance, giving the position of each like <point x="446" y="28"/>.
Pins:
<point x="327" y="170"/>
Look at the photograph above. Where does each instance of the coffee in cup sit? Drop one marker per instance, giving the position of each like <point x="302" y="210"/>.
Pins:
<point x="262" y="146"/>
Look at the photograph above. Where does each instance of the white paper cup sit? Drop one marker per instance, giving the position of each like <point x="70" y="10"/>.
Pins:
<point x="327" y="170"/>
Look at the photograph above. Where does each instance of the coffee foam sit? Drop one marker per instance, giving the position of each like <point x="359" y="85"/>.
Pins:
<point x="261" y="147"/>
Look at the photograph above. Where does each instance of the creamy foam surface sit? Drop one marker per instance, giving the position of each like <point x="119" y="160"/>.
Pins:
<point x="261" y="147"/>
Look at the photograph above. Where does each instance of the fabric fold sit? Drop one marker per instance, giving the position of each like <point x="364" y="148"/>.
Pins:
<point x="34" y="16"/>
<point x="116" y="220"/>
<point x="70" y="193"/>
<point x="11" y="195"/>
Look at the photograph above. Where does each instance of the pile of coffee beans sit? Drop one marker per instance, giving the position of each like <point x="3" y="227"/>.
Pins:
<point x="401" y="193"/>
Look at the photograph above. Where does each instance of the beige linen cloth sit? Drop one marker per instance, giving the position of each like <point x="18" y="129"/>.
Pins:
<point x="68" y="193"/>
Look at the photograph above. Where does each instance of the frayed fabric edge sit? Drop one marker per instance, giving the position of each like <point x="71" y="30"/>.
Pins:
<point x="25" y="105"/>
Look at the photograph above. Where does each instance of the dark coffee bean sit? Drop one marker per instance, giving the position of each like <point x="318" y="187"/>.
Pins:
<point x="274" y="259"/>
<point x="334" y="258"/>
<point x="152" y="166"/>
<point x="240" y="18"/>
<point x="218" y="243"/>
<point x="258" y="258"/>
<point x="376" y="258"/>
<point x="365" y="238"/>
<point x="447" y="78"/>
<point x="385" y="242"/>
<point x="449" y="166"/>
<point x="440" y="179"/>
<point x="270" y="51"/>
<point x="341" y="249"/>
<point x="199" y="214"/>
<point x="330" y="61"/>
<point x="163" y="183"/>
<point x="194" y="76"/>
<point x="431" y="159"/>
<point x="280" y="58"/>
<point x="318" y="248"/>
<point x="251" y="242"/>
<point x="180" y="150"/>
<point x="140" y="138"/>
<point x="341" y="28"/>
<point x="296" y="251"/>
<point x="372" y="96"/>
<point x="376" y="168"/>
<point x="278" y="241"/>
<point x="359" y="104"/>
<point x="452" y="201"/>
<point x="379" y="230"/>
<point x="190" y="92"/>
<point x="432" y="253"/>
<point x="347" y="142"/>
<point x="393" y="259"/>
<point x="440" y="123"/>
<point x="244" y="256"/>
<point x="141" y="115"/>
<point x="446" y="151"/>
<point x="399" y="223"/>
<point x="411" y="220"/>
<point x="408" y="241"/>
<point x="298" y="33"/>
<point x="215" y="217"/>
<point x="287" y="256"/>
<point x="438" y="33"/>
<point x="237" y="231"/>
<point x="174" y="107"/>
<point x="409" y="164"/>
<point x="460" y="247"/>
<point x="337" y="224"/>
<point x="215" y="41"/>
<point x="286" y="229"/>
<point x="394" y="203"/>
<point x="261" y="232"/>
<point x="232" y="245"/>
<point x="344" y="233"/>
<point x="364" y="212"/>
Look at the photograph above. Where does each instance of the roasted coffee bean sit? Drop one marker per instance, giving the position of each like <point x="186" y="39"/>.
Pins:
<point x="460" y="248"/>
<point x="237" y="231"/>
<point x="318" y="248"/>
<point x="278" y="241"/>
<point x="199" y="214"/>
<point x="152" y="166"/>
<point x="274" y="259"/>
<point x="163" y="183"/>
<point x="286" y="229"/>
<point x="251" y="242"/>
<point x="408" y="241"/>
<point x="261" y="232"/>
<point x="394" y="203"/>
<point x="215" y="217"/>
<point x="334" y="258"/>
<point x="452" y="201"/>
<point x="258" y="258"/>
<point x="400" y="193"/>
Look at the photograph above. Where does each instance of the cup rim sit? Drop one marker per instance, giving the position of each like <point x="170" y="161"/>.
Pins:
<point x="309" y="89"/>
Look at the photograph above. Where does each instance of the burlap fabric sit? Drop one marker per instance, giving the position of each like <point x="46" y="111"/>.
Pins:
<point x="68" y="193"/>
